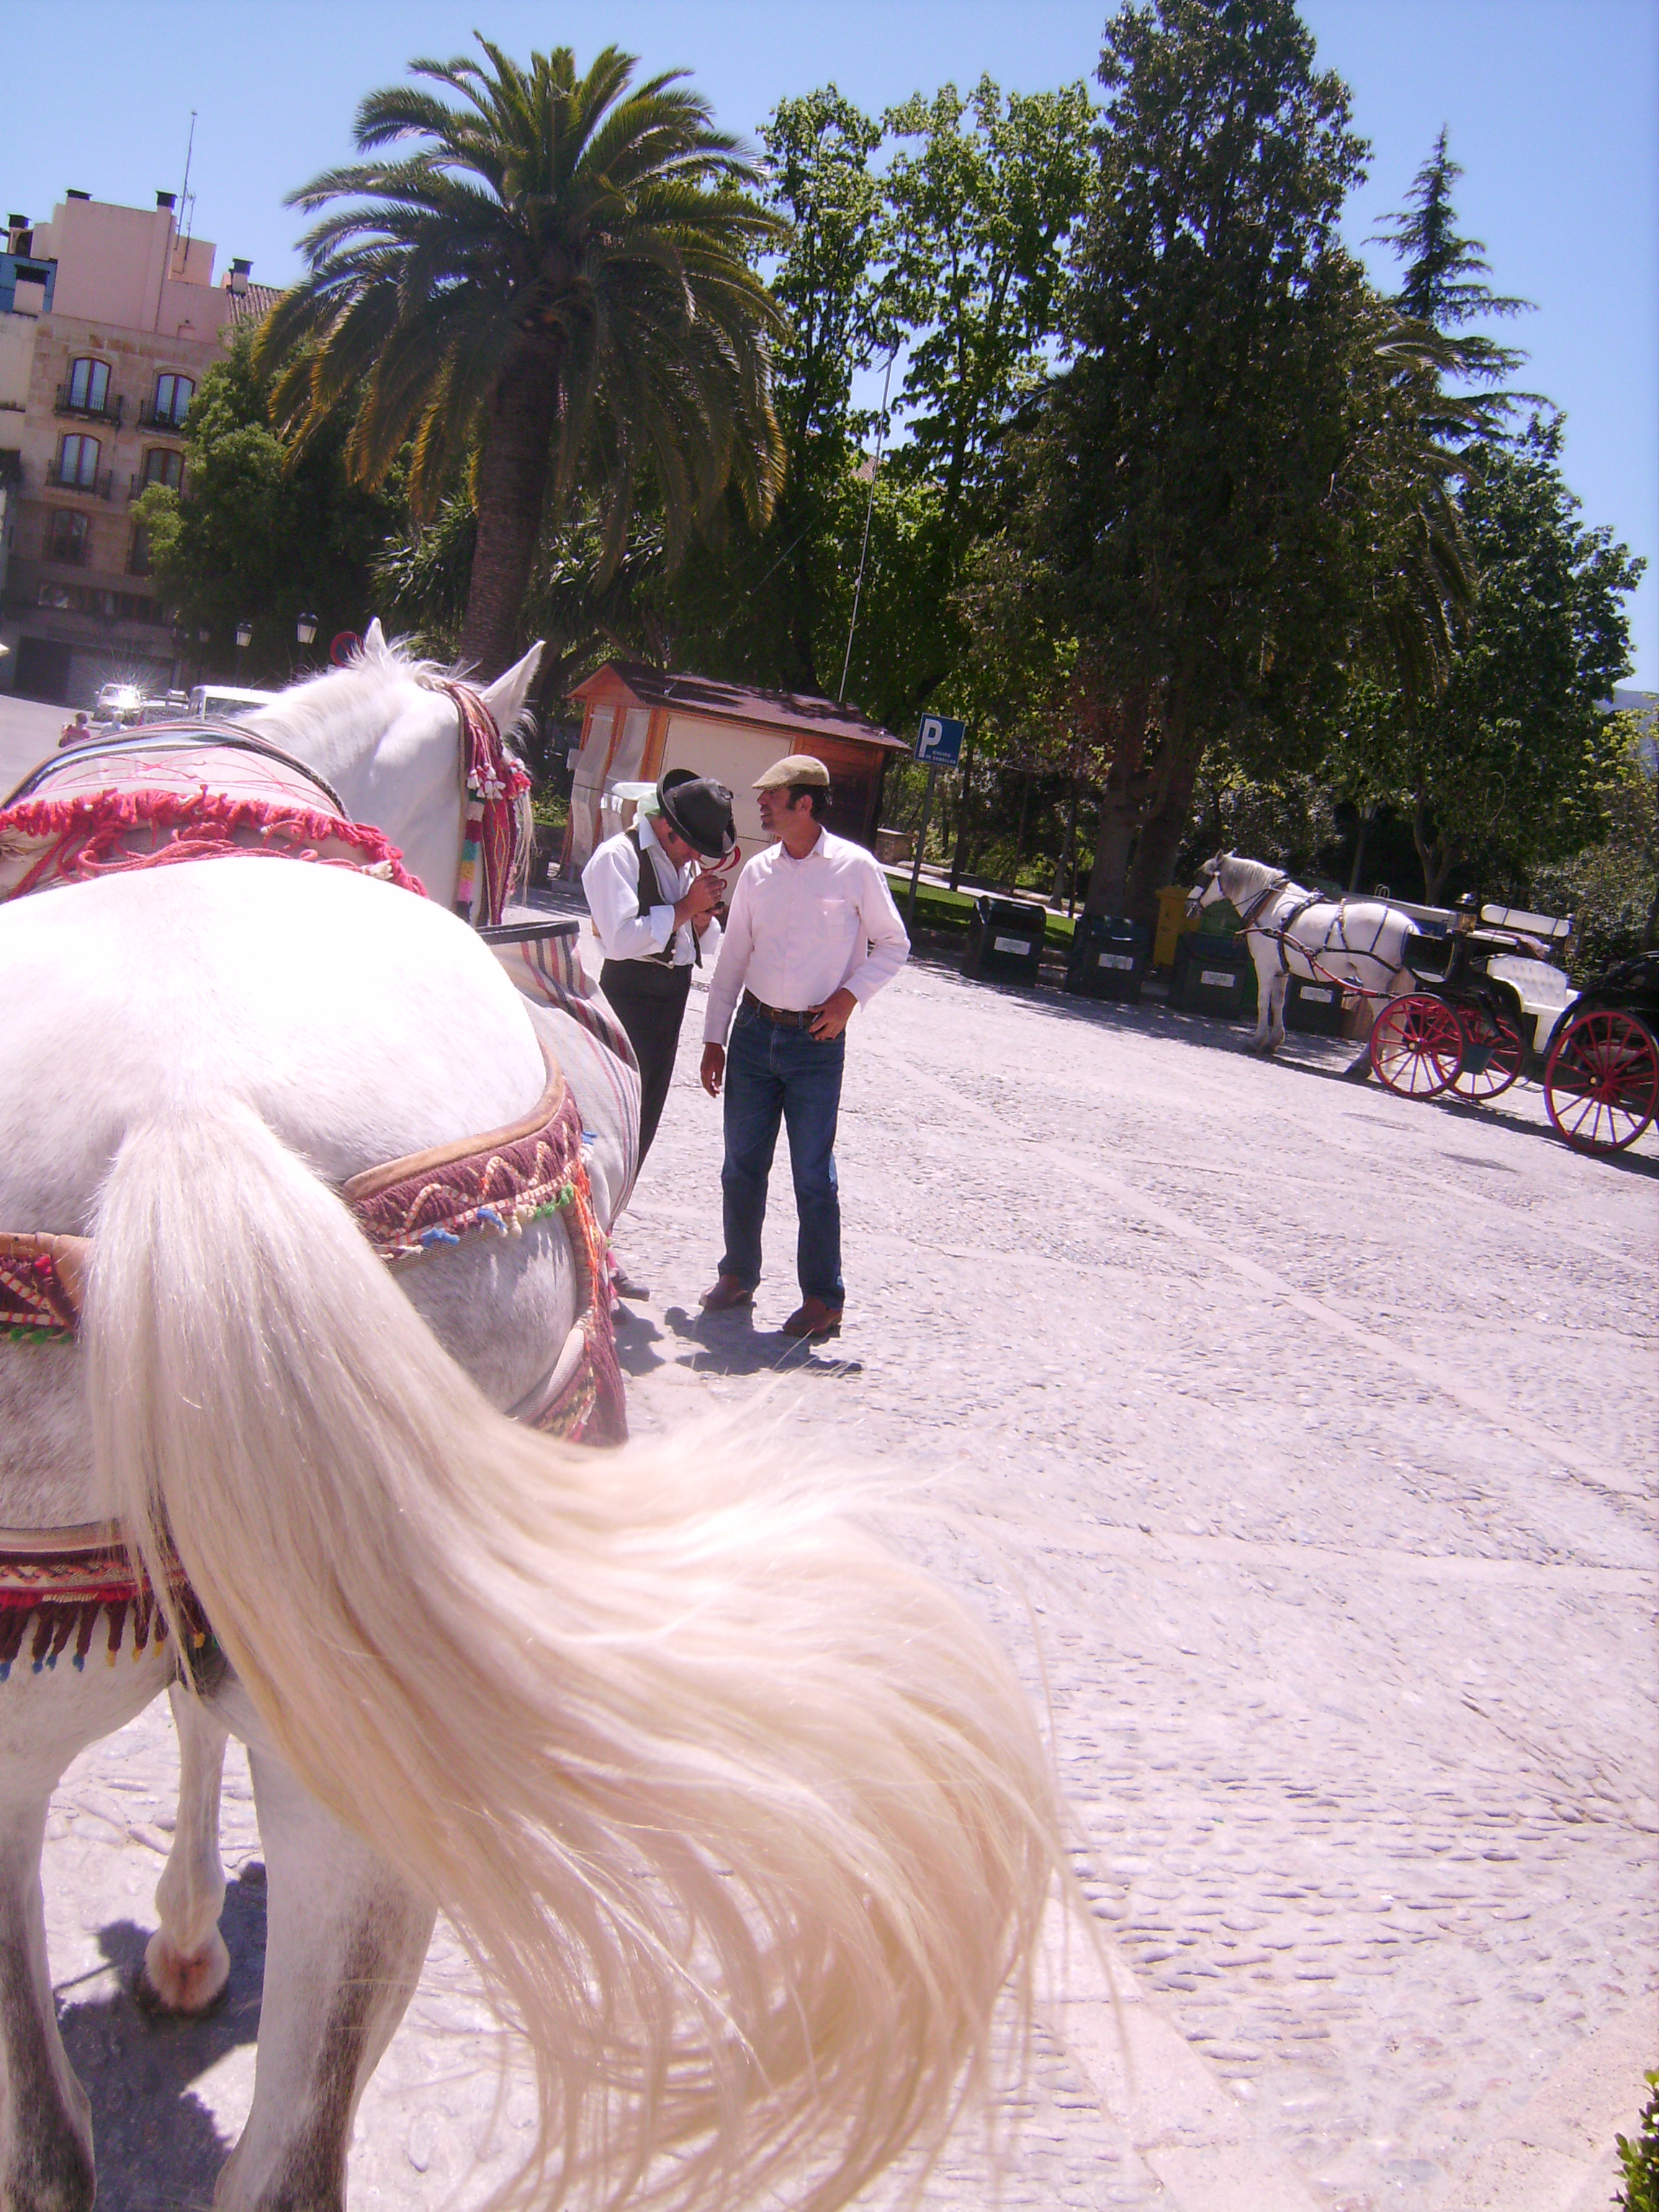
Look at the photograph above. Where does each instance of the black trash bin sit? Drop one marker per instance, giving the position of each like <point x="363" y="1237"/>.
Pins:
<point x="1316" y="1009"/>
<point x="1215" y="976"/>
<point x="1108" y="956"/>
<point x="1005" y="940"/>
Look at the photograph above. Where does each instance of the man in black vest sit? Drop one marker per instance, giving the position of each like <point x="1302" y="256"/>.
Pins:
<point x="654" y="909"/>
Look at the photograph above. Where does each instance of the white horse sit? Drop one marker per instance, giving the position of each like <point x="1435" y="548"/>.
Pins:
<point x="1360" y="943"/>
<point x="743" y="1821"/>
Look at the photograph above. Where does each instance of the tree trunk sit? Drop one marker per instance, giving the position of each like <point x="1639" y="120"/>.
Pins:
<point x="1166" y="825"/>
<point x="1436" y="854"/>
<point x="1019" y="834"/>
<point x="1122" y="809"/>
<point x="512" y="492"/>
<point x="958" y="858"/>
<point x="1367" y="817"/>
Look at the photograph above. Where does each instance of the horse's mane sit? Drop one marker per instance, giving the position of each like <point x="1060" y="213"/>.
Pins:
<point x="343" y="705"/>
<point x="1244" y="876"/>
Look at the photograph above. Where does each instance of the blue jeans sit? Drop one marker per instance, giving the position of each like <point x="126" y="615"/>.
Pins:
<point x="774" y="1074"/>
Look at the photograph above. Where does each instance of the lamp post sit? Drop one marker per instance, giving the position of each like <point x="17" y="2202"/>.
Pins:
<point x="305" y="629"/>
<point x="202" y="637"/>
<point x="244" y="639"/>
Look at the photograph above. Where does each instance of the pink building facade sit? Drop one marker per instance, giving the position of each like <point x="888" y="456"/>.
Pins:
<point x="109" y="318"/>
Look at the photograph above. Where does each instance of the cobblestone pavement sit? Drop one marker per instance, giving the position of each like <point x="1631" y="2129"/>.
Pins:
<point x="1310" y="1436"/>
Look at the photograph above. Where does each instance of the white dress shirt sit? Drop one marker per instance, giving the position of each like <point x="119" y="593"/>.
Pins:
<point x="800" y="931"/>
<point x="612" y="881"/>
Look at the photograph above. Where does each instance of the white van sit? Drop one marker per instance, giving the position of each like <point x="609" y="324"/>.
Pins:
<point x="224" y="702"/>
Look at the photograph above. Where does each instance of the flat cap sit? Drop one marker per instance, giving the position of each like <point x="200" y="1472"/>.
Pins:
<point x="794" y="767"/>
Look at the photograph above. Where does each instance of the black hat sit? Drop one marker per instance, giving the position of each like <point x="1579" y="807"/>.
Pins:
<point x="699" y="810"/>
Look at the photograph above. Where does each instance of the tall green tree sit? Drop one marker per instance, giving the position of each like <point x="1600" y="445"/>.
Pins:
<point x="552" y="292"/>
<point x="262" y="535"/>
<point x="983" y="194"/>
<point x="1444" y="283"/>
<point x="1504" y="768"/>
<point x="1201" y="484"/>
<point x="771" y="605"/>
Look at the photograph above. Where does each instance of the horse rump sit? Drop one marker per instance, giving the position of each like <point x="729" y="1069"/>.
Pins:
<point x="743" y="1819"/>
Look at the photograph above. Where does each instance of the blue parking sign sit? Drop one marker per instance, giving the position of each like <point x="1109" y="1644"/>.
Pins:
<point x="939" y="742"/>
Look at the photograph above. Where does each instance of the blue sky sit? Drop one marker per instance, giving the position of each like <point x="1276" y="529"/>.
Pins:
<point x="1550" y="106"/>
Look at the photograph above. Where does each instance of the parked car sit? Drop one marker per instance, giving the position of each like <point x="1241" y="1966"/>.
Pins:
<point x="119" y="704"/>
<point x="225" y="702"/>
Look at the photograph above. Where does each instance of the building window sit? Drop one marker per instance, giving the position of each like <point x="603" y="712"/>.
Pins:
<point x="88" y="386"/>
<point x="77" y="462"/>
<point x="164" y="465"/>
<point x="173" y="397"/>
<point x="138" y="558"/>
<point x="67" y="540"/>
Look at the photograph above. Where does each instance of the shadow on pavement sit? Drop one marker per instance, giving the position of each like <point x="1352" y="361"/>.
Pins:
<point x="730" y="1343"/>
<point x="158" y="2146"/>
<point x="637" y="1335"/>
<point x="1495" y="1116"/>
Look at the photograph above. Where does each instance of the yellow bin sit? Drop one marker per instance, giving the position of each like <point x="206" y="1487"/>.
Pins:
<point x="1172" y="923"/>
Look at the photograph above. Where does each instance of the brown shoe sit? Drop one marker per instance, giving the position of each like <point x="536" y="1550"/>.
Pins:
<point x="726" y="1293"/>
<point x="812" y="1318"/>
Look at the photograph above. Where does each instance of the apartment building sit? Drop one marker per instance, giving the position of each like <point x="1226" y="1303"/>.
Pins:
<point x="109" y="318"/>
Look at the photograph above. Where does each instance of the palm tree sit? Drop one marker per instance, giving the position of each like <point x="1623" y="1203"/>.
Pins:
<point x="555" y="291"/>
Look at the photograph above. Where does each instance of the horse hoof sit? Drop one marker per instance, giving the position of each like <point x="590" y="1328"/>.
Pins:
<point x="169" y="1983"/>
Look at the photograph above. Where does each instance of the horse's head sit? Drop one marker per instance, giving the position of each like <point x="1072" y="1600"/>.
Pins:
<point x="391" y="738"/>
<point x="1207" y="890"/>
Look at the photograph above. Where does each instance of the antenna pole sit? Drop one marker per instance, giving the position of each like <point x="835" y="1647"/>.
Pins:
<point x="869" y="504"/>
<point x="184" y="191"/>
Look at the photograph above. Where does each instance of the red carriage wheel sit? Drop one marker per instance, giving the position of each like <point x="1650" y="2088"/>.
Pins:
<point x="1417" y="1045"/>
<point x="1493" y="1054"/>
<point x="1602" y="1080"/>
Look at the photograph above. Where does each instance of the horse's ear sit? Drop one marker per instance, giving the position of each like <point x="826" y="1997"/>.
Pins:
<point x="374" y="637"/>
<point x="505" y="697"/>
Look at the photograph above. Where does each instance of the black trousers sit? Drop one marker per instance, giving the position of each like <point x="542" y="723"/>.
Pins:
<point x="649" y="1001"/>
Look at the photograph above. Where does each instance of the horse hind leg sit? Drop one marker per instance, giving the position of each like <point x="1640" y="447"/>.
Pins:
<point x="186" y="1965"/>
<point x="45" y="2119"/>
<point x="345" y="1940"/>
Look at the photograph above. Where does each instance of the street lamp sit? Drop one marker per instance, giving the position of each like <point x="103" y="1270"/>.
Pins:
<point x="202" y="638"/>
<point x="244" y="639"/>
<point x="305" y="629"/>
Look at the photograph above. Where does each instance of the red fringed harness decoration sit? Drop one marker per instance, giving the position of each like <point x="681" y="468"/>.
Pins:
<point x="62" y="1579"/>
<point x="192" y="794"/>
<point x="489" y="826"/>
<point x="497" y="1183"/>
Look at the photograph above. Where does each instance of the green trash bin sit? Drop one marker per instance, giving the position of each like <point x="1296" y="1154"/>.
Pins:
<point x="1215" y="976"/>
<point x="1005" y="940"/>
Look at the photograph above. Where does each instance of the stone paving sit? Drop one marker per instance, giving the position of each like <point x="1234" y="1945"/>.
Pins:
<point x="1301" y="1441"/>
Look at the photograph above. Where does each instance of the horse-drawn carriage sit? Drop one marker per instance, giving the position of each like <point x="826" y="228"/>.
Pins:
<point x="1602" y="1079"/>
<point x="1449" y="1018"/>
<point x="1464" y="1028"/>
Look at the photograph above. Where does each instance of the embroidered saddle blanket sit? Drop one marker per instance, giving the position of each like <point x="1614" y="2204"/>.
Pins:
<point x="184" y="791"/>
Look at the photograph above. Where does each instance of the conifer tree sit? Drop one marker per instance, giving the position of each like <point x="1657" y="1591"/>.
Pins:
<point x="1444" y="284"/>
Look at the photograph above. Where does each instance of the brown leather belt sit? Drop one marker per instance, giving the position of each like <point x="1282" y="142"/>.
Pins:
<point x="783" y="1017"/>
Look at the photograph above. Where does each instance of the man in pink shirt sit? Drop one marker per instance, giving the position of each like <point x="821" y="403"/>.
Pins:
<point x="813" y="934"/>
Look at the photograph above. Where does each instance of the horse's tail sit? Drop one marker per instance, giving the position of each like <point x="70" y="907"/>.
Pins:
<point x="746" y="1820"/>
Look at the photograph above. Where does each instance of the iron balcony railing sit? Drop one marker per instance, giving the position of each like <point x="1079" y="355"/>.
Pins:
<point x="68" y="555"/>
<point x="138" y="485"/>
<point x="172" y="419"/>
<point x="110" y="409"/>
<point x="95" y="486"/>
